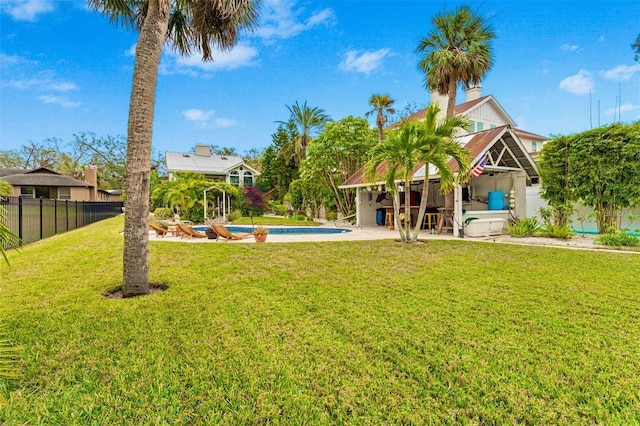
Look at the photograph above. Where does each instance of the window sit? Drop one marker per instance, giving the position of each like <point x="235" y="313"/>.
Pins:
<point x="234" y="178"/>
<point x="472" y="125"/>
<point x="247" y="178"/>
<point x="479" y="126"/>
<point x="64" y="193"/>
<point x="492" y="126"/>
<point x="534" y="146"/>
<point x="26" y="191"/>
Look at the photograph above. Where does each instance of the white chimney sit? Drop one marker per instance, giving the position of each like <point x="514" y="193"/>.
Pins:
<point x="442" y="101"/>
<point x="203" y="150"/>
<point x="474" y="92"/>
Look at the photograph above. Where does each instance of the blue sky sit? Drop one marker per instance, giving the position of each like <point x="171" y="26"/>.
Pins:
<point x="65" y="69"/>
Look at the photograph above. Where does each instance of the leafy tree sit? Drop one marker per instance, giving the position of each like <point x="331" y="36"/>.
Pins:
<point x="383" y="108"/>
<point x="599" y="168"/>
<point x="190" y="25"/>
<point x="457" y="50"/>
<point x="252" y="203"/>
<point x="419" y="143"/>
<point x="308" y="120"/>
<point x="277" y="171"/>
<point x="309" y="194"/>
<point x="636" y="48"/>
<point x="337" y="153"/>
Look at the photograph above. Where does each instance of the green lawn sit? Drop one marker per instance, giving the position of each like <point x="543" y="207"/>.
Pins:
<point x="368" y="332"/>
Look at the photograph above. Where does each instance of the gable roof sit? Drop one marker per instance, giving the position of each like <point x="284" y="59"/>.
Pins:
<point x="41" y="177"/>
<point x="207" y="164"/>
<point x="501" y="144"/>
<point x="463" y="109"/>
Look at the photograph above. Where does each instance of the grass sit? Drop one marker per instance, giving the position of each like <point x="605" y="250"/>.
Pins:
<point x="274" y="221"/>
<point x="368" y="332"/>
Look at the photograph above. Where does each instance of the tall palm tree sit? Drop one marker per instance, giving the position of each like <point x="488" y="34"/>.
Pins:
<point x="189" y="25"/>
<point x="457" y="50"/>
<point x="383" y="107"/>
<point x="419" y="143"/>
<point x="307" y="120"/>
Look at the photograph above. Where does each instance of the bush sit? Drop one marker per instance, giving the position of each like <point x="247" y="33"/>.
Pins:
<point x="618" y="240"/>
<point x="524" y="227"/>
<point x="557" y="231"/>
<point x="299" y="217"/>
<point x="553" y="226"/>
<point x="332" y="216"/>
<point x="235" y="215"/>
<point x="253" y="202"/>
<point x="163" y="213"/>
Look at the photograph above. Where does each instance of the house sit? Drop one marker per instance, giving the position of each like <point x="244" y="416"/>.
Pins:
<point x="498" y="193"/>
<point x="48" y="184"/>
<point x="226" y="168"/>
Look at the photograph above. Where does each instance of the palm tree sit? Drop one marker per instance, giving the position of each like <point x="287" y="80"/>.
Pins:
<point x="457" y="50"/>
<point x="190" y="25"/>
<point x="415" y="144"/>
<point x="307" y="120"/>
<point x="8" y="239"/>
<point x="383" y="107"/>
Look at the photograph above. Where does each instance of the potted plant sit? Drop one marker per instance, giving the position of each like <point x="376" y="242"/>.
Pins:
<point x="260" y="234"/>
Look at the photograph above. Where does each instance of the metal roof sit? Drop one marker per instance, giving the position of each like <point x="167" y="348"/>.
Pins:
<point x="207" y="164"/>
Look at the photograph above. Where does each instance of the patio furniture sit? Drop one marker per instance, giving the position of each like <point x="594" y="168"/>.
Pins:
<point x="431" y="220"/>
<point x="161" y="232"/>
<point x="446" y="220"/>
<point x="188" y="231"/>
<point x="225" y="234"/>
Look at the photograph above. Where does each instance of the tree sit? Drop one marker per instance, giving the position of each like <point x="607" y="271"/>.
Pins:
<point x="277" y="171"/>
<point x="599" y="168"/>
<point x="383" y="108"/>
<point x="307" y="120"/>
<point x="8" y="239"/>
<point x="337" y="153"/>
<point x="636" y="48"/>
<point x="190" y="25"/>
<point x="414" y="144"/>
<point x="457" y="50"/>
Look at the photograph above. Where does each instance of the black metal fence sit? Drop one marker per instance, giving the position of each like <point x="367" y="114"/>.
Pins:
<point x="33" y="219"/>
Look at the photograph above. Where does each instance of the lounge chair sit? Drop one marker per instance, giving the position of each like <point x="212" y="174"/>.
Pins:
<point x="186" y="230"/>
<point x="225" y="234"/>
<point x="161" y="232"/>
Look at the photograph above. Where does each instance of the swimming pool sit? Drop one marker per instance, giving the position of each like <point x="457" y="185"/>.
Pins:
<point x="288" y="230"/>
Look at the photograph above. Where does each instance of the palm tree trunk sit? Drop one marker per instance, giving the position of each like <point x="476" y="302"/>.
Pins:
<point x="423" y="203"/>
<point x="451" y="103"/>
<point x="380" y="123"/>
<point x="139" y="136"/>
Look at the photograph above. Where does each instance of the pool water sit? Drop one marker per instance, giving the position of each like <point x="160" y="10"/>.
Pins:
<point x="289" y="230"/>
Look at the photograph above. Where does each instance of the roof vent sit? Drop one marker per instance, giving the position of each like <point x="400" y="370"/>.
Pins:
<point x="186" y="155"/>
<point x="223" y="158"/>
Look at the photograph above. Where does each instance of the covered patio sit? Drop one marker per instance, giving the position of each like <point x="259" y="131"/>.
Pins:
<point x="490" y="200"/>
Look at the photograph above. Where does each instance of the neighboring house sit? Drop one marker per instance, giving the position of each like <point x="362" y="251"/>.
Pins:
<point x="48" y="184"/>
<point x="509" y="168"/>
<point x="226" y="168"/>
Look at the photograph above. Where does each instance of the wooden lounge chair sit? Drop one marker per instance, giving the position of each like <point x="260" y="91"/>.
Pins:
<point x="161" y="232"/>
<point x="186" y="230"/>
<point x="225" y="234"/>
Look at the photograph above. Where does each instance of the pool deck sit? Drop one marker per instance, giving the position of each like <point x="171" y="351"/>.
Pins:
<point x="356" y="234"/>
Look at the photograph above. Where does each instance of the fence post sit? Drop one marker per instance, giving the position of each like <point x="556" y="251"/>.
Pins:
<point x="20" y="233"/>
<point x="55" y="216"/>
<point x="66" y="212"/>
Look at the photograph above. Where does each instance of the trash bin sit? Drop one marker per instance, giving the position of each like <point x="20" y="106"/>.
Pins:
<point x="380" y="216"/>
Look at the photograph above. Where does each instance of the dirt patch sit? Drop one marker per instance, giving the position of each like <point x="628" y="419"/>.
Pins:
<point x="116" y="293"/>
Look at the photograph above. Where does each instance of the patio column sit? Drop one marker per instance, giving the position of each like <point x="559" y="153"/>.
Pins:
<point x="457" y="210"/>
<point x="358" y="207"/>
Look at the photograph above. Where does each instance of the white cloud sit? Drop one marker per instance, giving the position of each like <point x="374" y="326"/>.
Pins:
<point x="26" y="10"/>
<point x="571" y="48"/>
<point x="364" y="62"/>
<point x="281" y="20"/>
<point x="224" y="122"/>
<point x="579" y="84"/>
<point x="59" y="100"/>
<point x="623" y="108"/>
<point x="621" y="72"/>
<point x="241" y="55"/>
<point x="202" y="119"/>
<point x="43" y="82"/>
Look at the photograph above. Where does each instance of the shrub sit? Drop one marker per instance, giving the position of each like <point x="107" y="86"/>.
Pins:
<point x="524" y="227"/>
<point x="235" y="215"/>
<point x="163" y="213"/>
<point x="332" y="216"/>
<point x="299" y="217"/>
<point x="556" y="231"/>
<point x="618" y="240"/>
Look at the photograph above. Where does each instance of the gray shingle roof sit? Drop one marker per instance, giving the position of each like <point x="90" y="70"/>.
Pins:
<point x="41" y="177"/>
